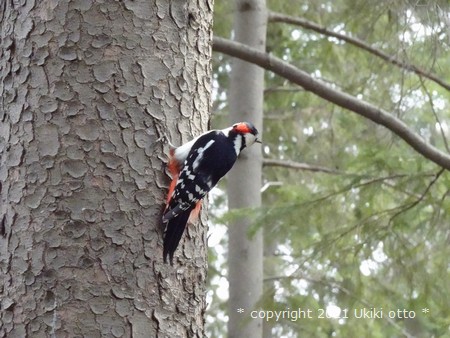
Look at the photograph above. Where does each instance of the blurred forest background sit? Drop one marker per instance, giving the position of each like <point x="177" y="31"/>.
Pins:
<point x="352" y="216"/>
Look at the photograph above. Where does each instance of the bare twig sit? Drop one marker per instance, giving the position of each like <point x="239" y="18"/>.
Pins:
<point x="278" y="17"/>
<point x="337" y="97"/>
<point x="421" y="197"/>
<point x="300" y="166"/>
<point x="438" y="120"/>
<point x="282" y="89"/>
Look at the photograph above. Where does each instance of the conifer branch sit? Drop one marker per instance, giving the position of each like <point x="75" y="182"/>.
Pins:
<point x="335" y="96"/>
<point x="278" y="17"/>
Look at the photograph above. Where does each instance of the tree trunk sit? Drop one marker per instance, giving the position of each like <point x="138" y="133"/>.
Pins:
<point x="87" y="90"/>
<point x="244" y="181"/>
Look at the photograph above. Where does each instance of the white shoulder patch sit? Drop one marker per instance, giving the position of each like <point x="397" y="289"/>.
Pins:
<point x="182" y="152"/>
<point x="200" y="152"/>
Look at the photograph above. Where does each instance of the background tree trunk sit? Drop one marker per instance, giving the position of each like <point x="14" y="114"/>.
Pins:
<point x="244" y="181"/>
<point x="87" y="88"/>
<point x="352" y="206"/>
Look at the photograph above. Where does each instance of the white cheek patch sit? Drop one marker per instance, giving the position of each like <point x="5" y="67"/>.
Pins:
<point x="249" y="139"/>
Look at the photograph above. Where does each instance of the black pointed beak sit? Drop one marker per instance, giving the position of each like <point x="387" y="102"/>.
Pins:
<point x="258" y="141"/>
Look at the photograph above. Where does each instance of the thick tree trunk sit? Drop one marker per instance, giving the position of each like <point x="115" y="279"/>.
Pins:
<point x="244" y="181"/>
<point x="87" y="90"/>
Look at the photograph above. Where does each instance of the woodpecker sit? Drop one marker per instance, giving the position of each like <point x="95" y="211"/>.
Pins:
<point x="196" y="167"/>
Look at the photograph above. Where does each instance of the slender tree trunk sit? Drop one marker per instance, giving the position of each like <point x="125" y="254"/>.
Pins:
<point x="87" y="90"/>
<point x="244" y="182"/>
<point x="270" y="269"/>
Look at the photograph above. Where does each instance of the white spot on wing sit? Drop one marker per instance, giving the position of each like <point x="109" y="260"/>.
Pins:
<point x="200" y="190"/>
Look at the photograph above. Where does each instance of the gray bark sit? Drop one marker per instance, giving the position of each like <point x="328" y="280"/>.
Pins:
<point x="87" y="88"/>
<point x="244" y="182"/>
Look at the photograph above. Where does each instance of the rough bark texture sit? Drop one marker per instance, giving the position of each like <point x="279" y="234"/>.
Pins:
<point x="244" y="181"/>
<point x="87" y="88"/>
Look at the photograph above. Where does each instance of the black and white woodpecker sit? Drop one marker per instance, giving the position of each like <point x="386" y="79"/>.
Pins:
<point x="196" y="167"/>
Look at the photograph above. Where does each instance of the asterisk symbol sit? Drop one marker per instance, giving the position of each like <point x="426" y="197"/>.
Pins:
<point x="240" y="310"/>
<point x="426" y="310"/>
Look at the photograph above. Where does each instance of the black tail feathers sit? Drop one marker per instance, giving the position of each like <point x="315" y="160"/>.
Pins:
<point x="174" y="231"/>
